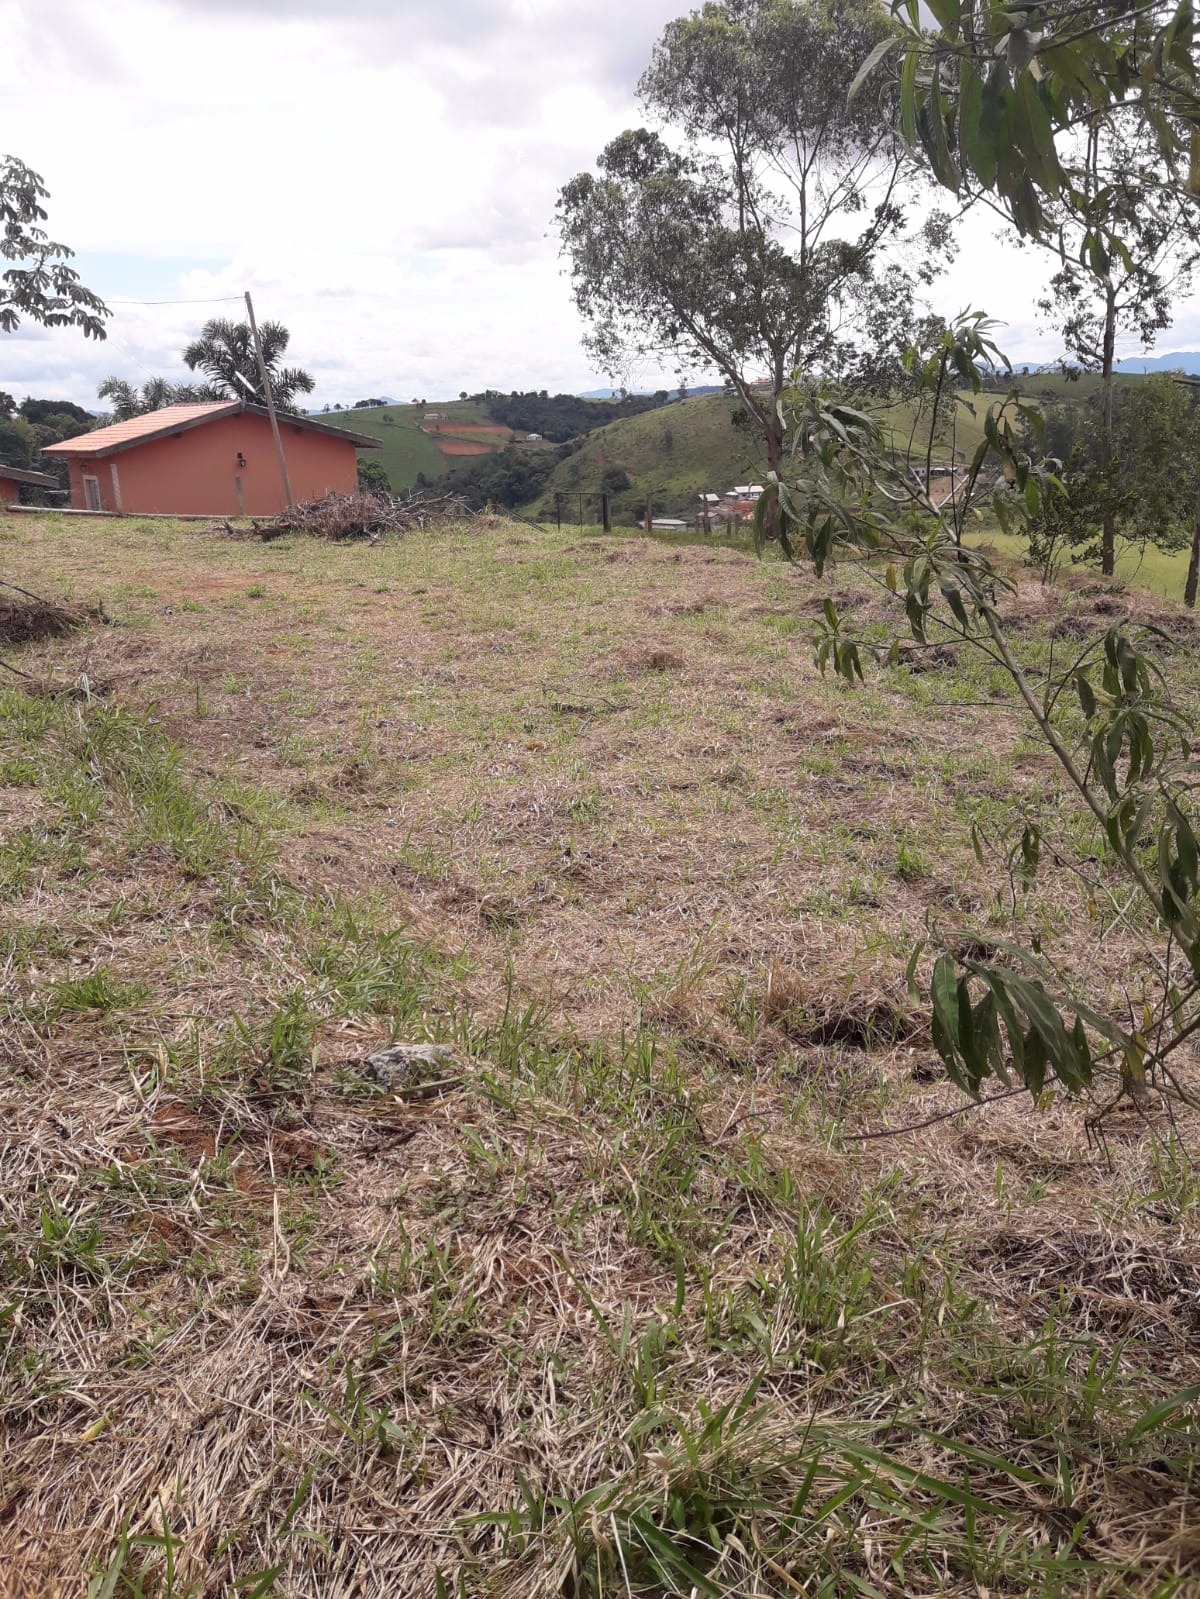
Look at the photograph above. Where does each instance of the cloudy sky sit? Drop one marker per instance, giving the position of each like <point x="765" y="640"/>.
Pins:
<point x="381" y="175"/>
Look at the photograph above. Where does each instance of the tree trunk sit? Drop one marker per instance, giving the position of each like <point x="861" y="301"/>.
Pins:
<point x="1193" y="571"/>
<point x="1108" y="537"/>
<point x="774" y="442"/>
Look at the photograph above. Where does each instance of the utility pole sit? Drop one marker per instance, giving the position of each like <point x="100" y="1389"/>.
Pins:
<point x="266" y="383"/>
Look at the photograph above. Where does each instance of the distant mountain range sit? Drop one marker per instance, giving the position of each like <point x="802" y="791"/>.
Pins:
<point x="1173" y="361"/>
<point x="611" y="394"/>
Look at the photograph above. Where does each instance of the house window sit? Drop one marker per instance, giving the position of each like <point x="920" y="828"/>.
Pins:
<point x="91" y="492"/>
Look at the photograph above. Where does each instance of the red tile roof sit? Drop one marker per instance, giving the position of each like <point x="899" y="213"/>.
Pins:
<point x="177" y="418"/>
<point x="169" y="420"/>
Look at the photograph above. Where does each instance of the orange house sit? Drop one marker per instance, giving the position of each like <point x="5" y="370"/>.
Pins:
<point x="216" y="459"/>
<point x="11" y="478"/>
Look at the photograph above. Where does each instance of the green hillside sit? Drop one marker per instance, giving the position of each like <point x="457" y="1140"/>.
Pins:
<point x="672" y="455"/>
<point x="407" y="450"/>
<point x="669" y="457"/>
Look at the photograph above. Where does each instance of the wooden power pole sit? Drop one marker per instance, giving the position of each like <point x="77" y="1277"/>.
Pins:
<point x="266" y="383"/>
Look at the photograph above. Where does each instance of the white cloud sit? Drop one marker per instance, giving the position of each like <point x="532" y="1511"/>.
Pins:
<point x="382" y="176"/>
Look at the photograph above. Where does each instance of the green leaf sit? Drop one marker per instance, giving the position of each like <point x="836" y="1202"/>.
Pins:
<point x="947" y="14"/>
<point x="908" y="97"/>
<point x="944" y="994"/>
<point x="881" y="51"/>
<point x="933" y="117"/>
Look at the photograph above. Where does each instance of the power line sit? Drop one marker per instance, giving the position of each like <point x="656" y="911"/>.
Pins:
<point x="224" y="299"/>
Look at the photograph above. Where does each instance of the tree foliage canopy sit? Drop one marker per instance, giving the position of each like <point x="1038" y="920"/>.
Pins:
<point x="997" y="95"/>
<point x="41" y="287"/>
<point x="225" y="352"/>
<point x="127" y="400"/>
<point x="747" y="246"/>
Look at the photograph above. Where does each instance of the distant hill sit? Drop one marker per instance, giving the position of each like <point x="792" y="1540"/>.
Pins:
<point x="611" y="394"/>
<point x="670" y="456"/>
<point x="1173" y="361"/>
<point x="1135" y="365"/>
<point x="435" y="439"/>
<point x="667" y="456"/>
<point x="417" y="439"/>
<point x="559" y="417"/>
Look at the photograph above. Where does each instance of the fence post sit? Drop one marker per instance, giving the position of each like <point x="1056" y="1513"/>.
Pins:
<point x="606" y="513"/>
<point x="558" y="508"/>
<point x="649" y="516"/>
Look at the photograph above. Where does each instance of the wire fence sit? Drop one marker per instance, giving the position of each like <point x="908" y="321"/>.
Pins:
<point x="709" y="513"/>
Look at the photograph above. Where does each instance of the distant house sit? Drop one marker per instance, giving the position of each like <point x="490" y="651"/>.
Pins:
<point x="533" y="438"/>
<point x="12" y="478"/>
<point x="741" y="501"/>
<point x="216" y="459"/>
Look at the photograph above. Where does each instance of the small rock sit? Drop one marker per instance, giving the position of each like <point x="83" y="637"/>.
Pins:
<point x="406" y="1065"/>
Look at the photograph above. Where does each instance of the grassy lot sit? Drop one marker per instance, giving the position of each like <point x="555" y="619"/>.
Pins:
<point x="406" y="449"/>
<point x="614" y="1299"/>
<point x="1146" y="568"/>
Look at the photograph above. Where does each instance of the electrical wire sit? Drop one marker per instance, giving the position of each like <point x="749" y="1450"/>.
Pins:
<point x="224" y="299"/>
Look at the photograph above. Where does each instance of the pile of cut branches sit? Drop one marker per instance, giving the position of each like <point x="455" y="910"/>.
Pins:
<point x="26" y="617"/>
<point x="364" y="516"/>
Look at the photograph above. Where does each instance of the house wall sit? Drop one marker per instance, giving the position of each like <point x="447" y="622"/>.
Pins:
<point x="10" y="492"/>
<point x="194" y="473"/>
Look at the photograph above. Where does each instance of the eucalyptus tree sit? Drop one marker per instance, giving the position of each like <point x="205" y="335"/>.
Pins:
<point x="1076" y="119"/>
<point x="749" y="232"/>
<point x="1003" y="96"/>
<point x="1158" y="452"/>
<point x="1012" y="1010"/>
<point x="1009" y="94"/>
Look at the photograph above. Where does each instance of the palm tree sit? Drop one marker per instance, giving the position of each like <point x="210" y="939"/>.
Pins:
<point x="225" y="351"/>
<point x="128" y="401"/>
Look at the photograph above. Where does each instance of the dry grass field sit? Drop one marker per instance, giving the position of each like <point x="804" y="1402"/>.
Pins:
<point x="615" y="1298"/>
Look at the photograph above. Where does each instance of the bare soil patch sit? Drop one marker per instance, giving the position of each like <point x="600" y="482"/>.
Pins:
<point x="460" y="447"/>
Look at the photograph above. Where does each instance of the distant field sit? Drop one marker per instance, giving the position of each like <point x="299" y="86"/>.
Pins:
<point x="408" y="450"/>
<point x="1150" y="569"/>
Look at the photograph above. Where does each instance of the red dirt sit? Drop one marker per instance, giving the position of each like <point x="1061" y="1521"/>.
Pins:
<point x="459" y="447"/>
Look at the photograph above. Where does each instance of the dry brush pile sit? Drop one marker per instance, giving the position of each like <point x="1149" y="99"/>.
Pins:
<point x="364" y="515"/>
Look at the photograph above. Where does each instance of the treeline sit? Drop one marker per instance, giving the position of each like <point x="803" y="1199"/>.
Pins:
<point x="559" y="417"/>
<point x="505" y="480"/>
<point x="27" y="428"/>
<point x="1146" y="493"/>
